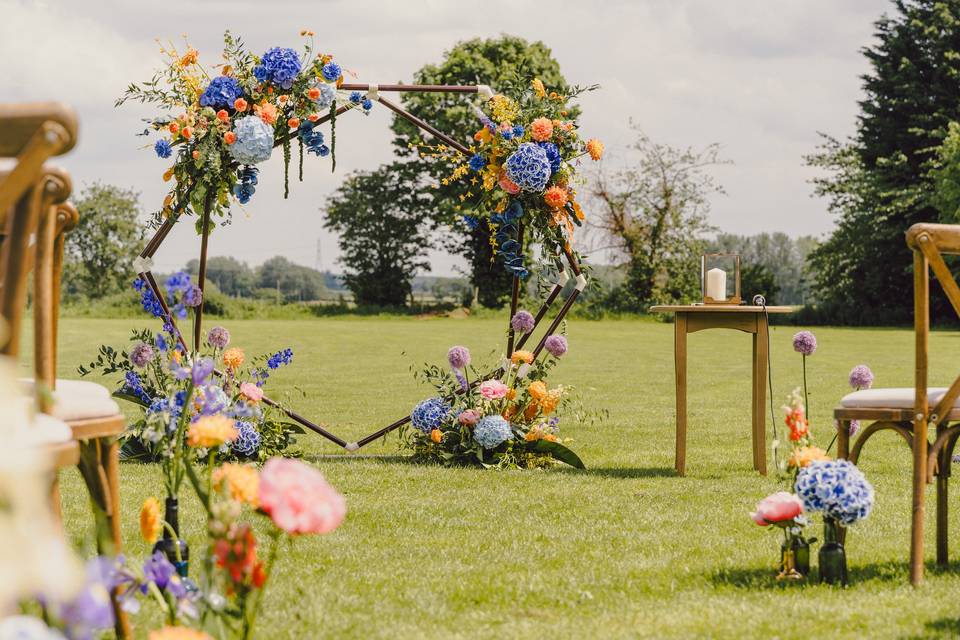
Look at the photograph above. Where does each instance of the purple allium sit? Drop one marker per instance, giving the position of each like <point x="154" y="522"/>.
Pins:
<point x="852" y="429"/>
<point x="861" y="377"/>
<point x="804" y="342"/>
<point x="458" y="356"/>
<point x="141" y="354"/>
<point x="218" y="337"/>
<point x="556" y="345"/>
<point x="193" y="296"/>
<point x="522" y="322"/>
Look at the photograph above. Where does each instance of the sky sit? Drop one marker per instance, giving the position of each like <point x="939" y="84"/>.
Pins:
<point x="759" y="77"/>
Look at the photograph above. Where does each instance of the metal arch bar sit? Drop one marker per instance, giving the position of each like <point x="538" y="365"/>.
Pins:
<point x="429" y="128"/>
<point x="415" y="88"/>
<point x="514" y="294"/>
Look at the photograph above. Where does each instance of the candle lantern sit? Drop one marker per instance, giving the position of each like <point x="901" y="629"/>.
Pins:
<point x="715" y="280"/>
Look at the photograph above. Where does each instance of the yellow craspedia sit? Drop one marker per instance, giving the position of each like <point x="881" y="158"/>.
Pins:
<point x="521" y="356"/>
<point x="537" y="390"/>
<point x="150" y="523"/>
<point x="233" y="358"/>
<point x="211" y="431"/>
<point x="177" y="633"/>
<point x="243" y="482"/>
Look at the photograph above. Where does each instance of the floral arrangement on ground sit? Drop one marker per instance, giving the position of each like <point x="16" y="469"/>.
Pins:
<point x="219" y="123"/>
<point x="523" y="171"/>
<point x="508" y="419"/>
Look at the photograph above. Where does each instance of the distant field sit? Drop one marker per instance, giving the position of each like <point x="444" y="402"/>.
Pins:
<point x="623" y="549"/>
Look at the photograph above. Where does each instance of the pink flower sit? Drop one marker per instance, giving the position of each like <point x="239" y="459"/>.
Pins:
<point x="493" y="389"/>
<point x="298" y="498"/>
<point x="776" y="508"/>
<point x="251" y="392"/>
<point x="469" y="417"/>
<point x="507" y="184"/>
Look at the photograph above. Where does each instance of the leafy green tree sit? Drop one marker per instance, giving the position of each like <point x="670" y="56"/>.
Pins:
<point x="232" y="277"/>
<point x="292" y="281"/>
<point x="495" y="62"/>
<point x="99" y="252"/>
<point x="382" y="234"/>
<point x="654" y="212"/>
<point x="880" y="182"/>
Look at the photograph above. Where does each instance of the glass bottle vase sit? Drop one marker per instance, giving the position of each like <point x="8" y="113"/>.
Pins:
<point x="833" y="557"/>
<point x="171" y="540"/>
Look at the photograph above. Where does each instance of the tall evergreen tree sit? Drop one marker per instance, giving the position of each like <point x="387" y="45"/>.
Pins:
<point x="879" y="182"/>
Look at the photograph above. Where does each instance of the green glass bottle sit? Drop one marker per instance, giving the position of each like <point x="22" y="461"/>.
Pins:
<point x="833" y="558"/>
<point x="168" y="545"/>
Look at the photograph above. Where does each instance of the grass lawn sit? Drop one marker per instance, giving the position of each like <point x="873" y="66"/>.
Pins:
<point x="623" y="549"/>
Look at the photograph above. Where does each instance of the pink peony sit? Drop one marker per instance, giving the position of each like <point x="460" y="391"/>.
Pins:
<point x="493" y="389"/>
<point x="251" y="392"/>
<point x="298" y="498"/>
<point x="469" y="417"/>
<point x="777" y="507"/>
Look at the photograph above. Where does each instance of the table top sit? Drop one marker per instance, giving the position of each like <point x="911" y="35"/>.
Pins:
<point x="716" y="308"/>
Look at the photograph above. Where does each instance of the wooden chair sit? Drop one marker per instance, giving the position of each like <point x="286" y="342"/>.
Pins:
<point x="911" y="412"/>
<point x="91" y="417"/>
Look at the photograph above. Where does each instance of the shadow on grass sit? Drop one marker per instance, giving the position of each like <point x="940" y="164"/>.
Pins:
<point x="939" y="628"/>
<point x="625" y="472"/>
<point x="344" y="458"/>
<point x="893" y="572"/>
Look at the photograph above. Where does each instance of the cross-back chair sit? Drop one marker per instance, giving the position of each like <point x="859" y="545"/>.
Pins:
<point x="912" y="412"/>
<point x="34" y="217"/>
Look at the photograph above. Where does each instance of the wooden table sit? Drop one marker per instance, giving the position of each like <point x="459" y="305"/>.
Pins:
<point x="697" y="317"/>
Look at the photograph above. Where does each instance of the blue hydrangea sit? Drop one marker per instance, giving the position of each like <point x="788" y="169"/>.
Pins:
<point x="429" y="414"/>
<point x="837" y="488"/>
<point x="327" y="95"/>
<point x="331" y="71"/>
<point x="529" y="167"/>
<point x="247" y="441"/>
<point x="254" y="140"/>
<point x="477" y="162"/>
<point x="356" y="97"/>
<point x="163" y="148"/>
<point x="553" y="155"/>
<point x="278" y="65"/>
<point x="492" y="431"/>
<point x="221" y="93"/>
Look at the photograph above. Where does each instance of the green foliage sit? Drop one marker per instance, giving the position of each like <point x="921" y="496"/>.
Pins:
<point x="232" y="277"/>
<point x="294" y="282"/>
<point x="880" y="182"/>
<point x="383" y="237"/>
<point x="99" y="252"/>
<point x="654" y="211"/>
<point x="946" y="176"/>
<point x="496" y="62"/>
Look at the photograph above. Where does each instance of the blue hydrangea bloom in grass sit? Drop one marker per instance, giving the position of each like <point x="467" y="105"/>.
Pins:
<point x="492" y="431"/>
<point x="247" y="441"/>
<point x="837" y="488"/>
<point x="429" y="414"/>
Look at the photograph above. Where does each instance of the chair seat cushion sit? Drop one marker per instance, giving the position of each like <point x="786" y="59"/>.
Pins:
<point x="80" y="400"/>
<point x="893" y="398"/>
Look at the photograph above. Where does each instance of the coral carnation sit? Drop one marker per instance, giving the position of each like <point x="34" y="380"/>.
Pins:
<point x="211" y="431"/>
<point x="555" y="197"/>
<point x="298" y="498"/>
<point x="233" y="358"/>
<point x="541" y="129"/>
<point x="243" y="482"/>
<point x="595" y="148"/>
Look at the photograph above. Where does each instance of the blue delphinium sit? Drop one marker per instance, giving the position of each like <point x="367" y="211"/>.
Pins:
<point x="356" y="97"/>
<point x="517" y="131"/>
<point x="274" y="362"/>
<point x="247" y="441"/>
<point x="221" y="93"/>
<point x="367" y="104"/>
<point x="163" y="148"/>
<point x="148" y="301"/>
<point x="133" y="385"/>
<point x="837" y="488"/>
<point x="278" y="65"/>
<point x="529" y="167"/>
<point x="254" y="140"/>
<point x="477" y="162"/>
<point x="507" y="134"/>
<point x="553" y="155"/>
<point x="331" y="71"/>
<point x="492" y="431"/>
<point x="429" y="414"/>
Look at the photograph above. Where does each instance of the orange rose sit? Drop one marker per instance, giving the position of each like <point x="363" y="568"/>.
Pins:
<point x="187" y="132"/>
<point x="240" y="104"/>
<point x="293" y="123"/>
<point x="223" y="116"/>
<point x="229" y="137"/>
<point x="313" y="117"/>
<point x="313" y="93"/>
<point x="174" y="128"/>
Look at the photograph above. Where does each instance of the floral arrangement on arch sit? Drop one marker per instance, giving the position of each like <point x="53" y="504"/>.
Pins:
<point x="523" y="169"/>
<point x="171" y="385"/>
<point x="509" y="419"/>
<point x="220" y="122"/>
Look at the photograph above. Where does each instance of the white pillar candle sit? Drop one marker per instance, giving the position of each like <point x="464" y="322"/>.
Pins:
<point x="717" y="284"/>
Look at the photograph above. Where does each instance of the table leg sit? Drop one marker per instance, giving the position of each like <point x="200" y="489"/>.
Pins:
<point x="680" y="367"/>
<point x="760" y="346"/>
